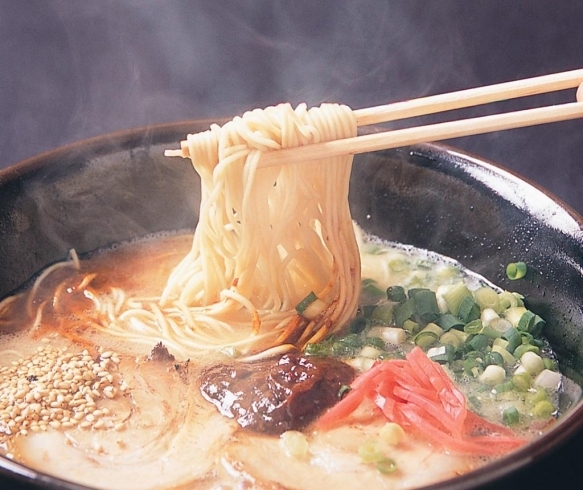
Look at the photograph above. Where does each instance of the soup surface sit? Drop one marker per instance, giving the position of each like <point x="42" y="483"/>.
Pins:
<point x="110" y="412"/>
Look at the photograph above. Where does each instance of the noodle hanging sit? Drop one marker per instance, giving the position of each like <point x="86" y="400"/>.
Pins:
<point x="266" y="239"/>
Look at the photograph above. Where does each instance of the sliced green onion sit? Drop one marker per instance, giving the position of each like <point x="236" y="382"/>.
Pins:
<point x="549" y="380"/>
<point x="392" y="335"/>
<point x="526" y="338"/>
<point x="370" y="293"/>
<point x="432" y="327"/>
<point x="451" y="338"/>
<point x="519" y="298"/>
<point x="550" y="364"/>
<point x="507" y="300"/>
<point x="486" y="297"/>
<point x="350" y="339"/>
<point x="473" y="367"/>
<point x="514" y="314"/>
<point x="501" y="343"/>
<point x="307" y="301"/>
<point x="500" y="324"/>
<point x="526" y="321"/>
<point x="494" y="357"/>
<point x="510" y="416"/>
<point x="442" y="354"/>
<point x="359" y="324"/>
<point x="429" y="336"/>
<point x="454" y="296"/>
<point x="294" y="443"/>
<point x="449" y="321"/>
<point x="383" y="313"/>
<point x="457" y="367"/>
<point x="504" y="387"/>
<point x="317" y="350"/>
<point x="426" y="339"/>
<point x="367" y="310"/>
<point x="493" y="375"/>
<point x="513" y="337"/>
<point x="398" y="265"/>
<point x="543" y="409"/>
<point x="509" y="359"/>
<point x="425" y="305"/>
<point x="392" y="433"/>
<point x="343" y="391"/>
<point x="387" y="466"/>
<point x="396" y="293"/>
<point x="479" y="342"/>
<point x="361" y="364"/>
<point x="314" y="309"/>
<point x="370" y="452"/>
<point x="516" y="270"/>
<point x="537" y="326"/>
<point x="346" y="346"/>
<point x="522" y="381"/>
<point x="488" y="315"/>
<point x="532" y="362"/>
<point x="491" y="333"/>
<point x="412" y="293"/>
<point x="411" y="327"/>
<point x="473" y="327"/>
<point x="424" y="264"/>
<point x="340" y="349"/>
<point x="370" y="352"/>
<point x="522" y="349"/>
<point x="404" y="311"/>
<point x="468" y="310"/>
<point x="540" y="394"/>
<point x="374" y="341"/>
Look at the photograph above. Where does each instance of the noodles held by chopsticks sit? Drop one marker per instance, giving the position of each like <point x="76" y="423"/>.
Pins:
<point x="266" y="238"/>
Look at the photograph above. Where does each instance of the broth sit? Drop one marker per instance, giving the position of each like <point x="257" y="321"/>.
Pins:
<point x="140" y="421"/>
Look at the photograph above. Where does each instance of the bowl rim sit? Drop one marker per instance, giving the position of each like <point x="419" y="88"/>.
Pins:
<point x="565" y="429"/>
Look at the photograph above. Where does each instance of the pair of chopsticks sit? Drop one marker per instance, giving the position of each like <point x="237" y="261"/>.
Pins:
<point x="447" y="130"/>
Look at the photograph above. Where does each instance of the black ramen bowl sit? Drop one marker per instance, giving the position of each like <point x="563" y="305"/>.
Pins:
<point x="118" y="187"/>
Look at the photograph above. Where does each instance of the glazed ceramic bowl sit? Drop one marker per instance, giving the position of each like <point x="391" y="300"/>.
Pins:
<point x="117" y="187"/>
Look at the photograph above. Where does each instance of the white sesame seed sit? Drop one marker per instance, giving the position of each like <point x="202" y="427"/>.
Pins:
<point x="54" y="387"/>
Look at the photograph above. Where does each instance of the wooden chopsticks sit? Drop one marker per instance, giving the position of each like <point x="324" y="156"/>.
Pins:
<point x="468" y="98"/>
<point x="447" y="130"/>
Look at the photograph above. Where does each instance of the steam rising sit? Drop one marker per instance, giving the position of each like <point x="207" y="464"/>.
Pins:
<point x="79" y="69"/>
<point x="114" y="65"/>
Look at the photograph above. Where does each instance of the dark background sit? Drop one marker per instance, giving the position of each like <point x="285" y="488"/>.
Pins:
<point x="74" y="69"/>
